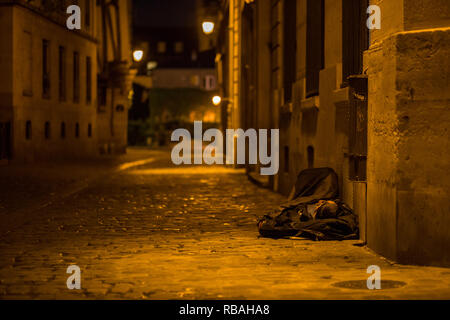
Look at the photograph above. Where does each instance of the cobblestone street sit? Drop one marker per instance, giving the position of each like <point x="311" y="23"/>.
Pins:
<point x="155" y="231"/>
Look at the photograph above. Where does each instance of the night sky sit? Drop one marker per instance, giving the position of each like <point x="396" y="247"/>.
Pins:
<point x="164" y="13"/>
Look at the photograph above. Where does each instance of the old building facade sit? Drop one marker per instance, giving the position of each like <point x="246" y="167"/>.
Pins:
<point x="371" y="104"/>
<point x="63" y="93"/>
<point x="177" y="76"/>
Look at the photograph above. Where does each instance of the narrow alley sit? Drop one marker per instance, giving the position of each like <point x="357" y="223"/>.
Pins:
<point x="225" y="152"/>
<point x="157" y="231"/>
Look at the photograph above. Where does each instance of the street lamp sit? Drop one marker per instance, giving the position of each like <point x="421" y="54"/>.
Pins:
<point x="138" y="55"/>
<point x="216" y="100"/>
<point x="208" y="27"/>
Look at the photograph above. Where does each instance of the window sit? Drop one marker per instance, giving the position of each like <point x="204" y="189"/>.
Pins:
<point x="87" y="12"/>
<point x="179" y="47"/>
<point x="310" y="155"/>
<point x="47" y="132"/>
<point x="77" y="130"/>
<point x="88" y="80"/>
<point x="5" y="140"/>
<point x="161" y="47"/>
<point x="45" y="69"/>
<point x="89" y="130"/>
<point x="358" y="127"/>
<point x="194" y="55"/>
<point x="63" y="130"/>
<point x="101" y="91"/>
<point x="194" y="80"/>
<point x="28" y="130"/>
<point x="62" y="73"/>
<point x="289" y="47"/>
<point x="27" y="56"/>
<point x="209" y="82"/>
<point x="315" y="44"/>
<point x="76" y="77"/>
<point x="286" y="159"/>
<point x="355" y="37"/>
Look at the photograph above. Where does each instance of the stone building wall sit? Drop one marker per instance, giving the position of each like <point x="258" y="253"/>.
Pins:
<point x="112" y="117"/>
<point x="409" y="118"/>
<point x="401" y="201"/>
<point x="50" y="126"/>
<point x="27" y="27"/>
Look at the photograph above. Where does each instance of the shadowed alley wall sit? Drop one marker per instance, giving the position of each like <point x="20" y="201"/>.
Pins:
<point x="377" y="113"/>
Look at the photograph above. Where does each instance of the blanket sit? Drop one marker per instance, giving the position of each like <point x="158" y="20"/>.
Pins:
<point x="313" y="210"/>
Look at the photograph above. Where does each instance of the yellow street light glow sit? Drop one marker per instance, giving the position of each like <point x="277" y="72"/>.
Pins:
<point x="216" y="100"/>
<point x="138" y="55"/>
<point x="208" y="27"/>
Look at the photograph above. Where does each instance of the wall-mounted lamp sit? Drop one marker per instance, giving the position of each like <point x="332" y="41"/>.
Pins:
<point x="208" y="27"/>
<point x="217" y="100"/>
<point x="138" y="55"/>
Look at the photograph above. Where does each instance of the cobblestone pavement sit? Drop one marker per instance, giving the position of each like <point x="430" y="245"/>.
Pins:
<point x="157" y="231"/>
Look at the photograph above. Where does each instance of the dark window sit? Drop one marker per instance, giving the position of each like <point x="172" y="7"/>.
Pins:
<point x="286" y="159"/>
<point x="161" y="47"/>
<point x="28" y="130"/>
<point x="47" y="132"/>
<point x="28" y="56"/>
<point x="310" y="155"/>
<point x="77" y="130"/>
<point x="88" y="80"/>
<point x="178" y="47"/>
<point x="87" y="11"/>
<point x="63" y="130"/>
<point x="315" y="44"/>
<point x="101" y="91"/>
<point x="355" y="37"/>
<point x="5" y="140"/>
<point x="89" y="130"/>
<point x="289" y="47"/>
<point x="358" y="127"/>
<point x="76" y="77"/>
<point x="45" y="69"/>
<point x="62" y="73"/>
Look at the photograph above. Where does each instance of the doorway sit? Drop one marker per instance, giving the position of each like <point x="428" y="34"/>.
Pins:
<point x="5" y="141"/>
